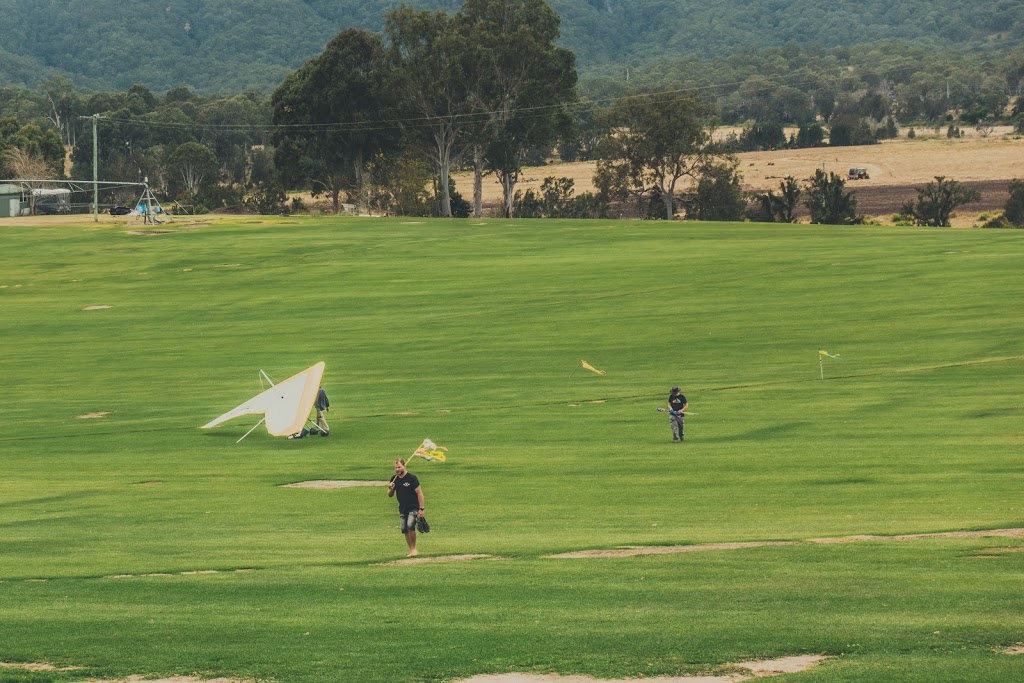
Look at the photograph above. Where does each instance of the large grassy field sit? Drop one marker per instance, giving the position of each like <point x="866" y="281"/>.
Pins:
<point x="471" y="334"/>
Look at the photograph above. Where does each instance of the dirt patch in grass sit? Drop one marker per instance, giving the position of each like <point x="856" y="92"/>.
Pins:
<point x="96" y="308"/>
<point x="332" y="484"/>
<point x="1005" y="533"/>
<point x="1017" y="649"/>
<point x="149" y="232"/>
<point x="176" y="679"/>
<point x="194" y="572"/>
<point x="783" y="665"/>
<point x="439" y="558"/>
<point x="93" y="416"/>
<point x="746" y="671"/>
<point x="37" y="666"/>
<point x="632" y="551"/>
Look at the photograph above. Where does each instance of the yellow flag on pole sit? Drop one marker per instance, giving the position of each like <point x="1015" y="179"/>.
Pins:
<point x="590" y="367"/>
<point x="429" y="450"/>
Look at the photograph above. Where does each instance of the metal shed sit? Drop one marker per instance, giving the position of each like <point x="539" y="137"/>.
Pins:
<point x="12" y="201"/>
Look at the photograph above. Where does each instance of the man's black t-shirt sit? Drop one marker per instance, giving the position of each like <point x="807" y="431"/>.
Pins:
<point x="405" y="489"/>
<point x="677" y="402"/>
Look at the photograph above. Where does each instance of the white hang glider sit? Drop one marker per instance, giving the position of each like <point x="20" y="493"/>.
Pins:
<point x="285" y="407"/>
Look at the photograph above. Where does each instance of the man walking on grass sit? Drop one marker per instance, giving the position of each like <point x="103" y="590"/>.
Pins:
<point x="410" y="501"/>
<point x="676" y="405"/>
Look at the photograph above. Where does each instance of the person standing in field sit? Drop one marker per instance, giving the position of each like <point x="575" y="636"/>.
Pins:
<point x="410" y="501"/>
<point x="322" y="405"/>
<point x="676" y="405"/>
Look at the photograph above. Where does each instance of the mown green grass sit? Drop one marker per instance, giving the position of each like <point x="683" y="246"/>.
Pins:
<point x="477" y="328"/>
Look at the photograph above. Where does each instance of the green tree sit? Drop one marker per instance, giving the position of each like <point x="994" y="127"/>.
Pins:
<point x="556" y="200"/>
<point x="181" y="93"/>
<point x="791" y="105"/>
<point x="191" y="166"/>
<point x="64" y="106"/>
<point x="400" y="184"/>
<point x="581" y="141"/>
<point x="812" y="135"/>
<point x="42" y="144"/>
<point x="777" y="208"/>
<point x="8" y="129"/>
<point x="657" y="143"/>
<point x="167" y="125"/>
<point x="145" y="97"/>
<point x="1013" y="210"/>
<point x="847" y="129"/>
<point x="937" y="200"/>
<point x="828" y="200"/>
<point x="233" y="127"/>
<point x="429" y="72"/>
<point x="718" y="195"/>
<point x="522" y="80"/>
<point x="761" y="137"/>
<point x="327" y="116"/>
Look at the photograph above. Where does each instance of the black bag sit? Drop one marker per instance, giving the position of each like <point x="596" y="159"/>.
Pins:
<point x="422" y="526"/>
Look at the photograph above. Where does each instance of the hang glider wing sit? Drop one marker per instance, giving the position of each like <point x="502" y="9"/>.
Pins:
<point x="285" y="406"/>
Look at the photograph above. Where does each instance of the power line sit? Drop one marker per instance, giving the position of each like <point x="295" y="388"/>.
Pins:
<point x="468" y="117"/>
<point x="384" y="124"/>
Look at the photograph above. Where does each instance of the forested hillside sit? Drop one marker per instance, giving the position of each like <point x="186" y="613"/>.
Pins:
<point x="229" y="45"/>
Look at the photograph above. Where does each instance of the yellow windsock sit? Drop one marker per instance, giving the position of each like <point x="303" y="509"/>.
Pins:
<point x="590" y="367"/>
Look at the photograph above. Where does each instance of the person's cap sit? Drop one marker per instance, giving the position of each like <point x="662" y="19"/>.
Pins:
<point x="675" y="389"/>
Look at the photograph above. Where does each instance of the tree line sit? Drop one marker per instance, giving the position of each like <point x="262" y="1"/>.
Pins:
<point x="383" y="119"/>
<point x="227" y="46"/>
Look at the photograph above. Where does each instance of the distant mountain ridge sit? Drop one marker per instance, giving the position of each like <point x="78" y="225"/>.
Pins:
<point x="229" y="45"/>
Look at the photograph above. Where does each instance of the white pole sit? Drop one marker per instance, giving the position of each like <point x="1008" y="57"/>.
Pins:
<point x="150" y="218"/>
<point x="95" y="172"/>
<point x="251" y="430"/>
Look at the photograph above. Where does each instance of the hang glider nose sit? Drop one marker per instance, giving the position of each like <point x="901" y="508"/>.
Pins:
<point x="285" y="406"/>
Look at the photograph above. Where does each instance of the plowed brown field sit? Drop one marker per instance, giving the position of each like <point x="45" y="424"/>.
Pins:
<point x="895" y="168"/>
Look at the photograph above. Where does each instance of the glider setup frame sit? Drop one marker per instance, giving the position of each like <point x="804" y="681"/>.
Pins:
<point x="284" y="407"/>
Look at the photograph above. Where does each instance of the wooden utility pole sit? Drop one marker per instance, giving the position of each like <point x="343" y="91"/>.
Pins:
<point x="95" y="169"/>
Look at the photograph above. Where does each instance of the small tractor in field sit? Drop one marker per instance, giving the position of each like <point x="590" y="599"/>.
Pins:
<point x="858" y="174"/>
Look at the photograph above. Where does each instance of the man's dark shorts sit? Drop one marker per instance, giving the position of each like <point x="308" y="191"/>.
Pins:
<point x="408" y="520"/>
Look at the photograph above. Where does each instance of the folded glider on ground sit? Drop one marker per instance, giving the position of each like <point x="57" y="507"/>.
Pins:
<point x="285" y="406"/>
